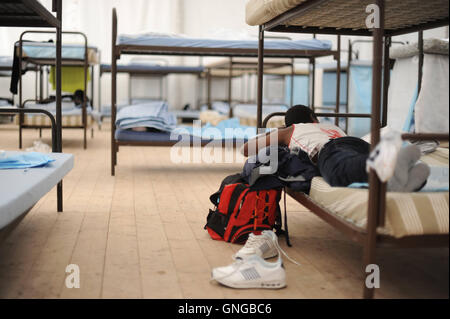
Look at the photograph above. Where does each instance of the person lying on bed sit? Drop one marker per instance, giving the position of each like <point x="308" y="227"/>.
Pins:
<point x="77" y="98"/>
<point x="341" y="159"/>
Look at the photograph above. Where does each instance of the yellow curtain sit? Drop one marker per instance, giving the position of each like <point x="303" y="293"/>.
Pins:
<point x="72" y="78"/>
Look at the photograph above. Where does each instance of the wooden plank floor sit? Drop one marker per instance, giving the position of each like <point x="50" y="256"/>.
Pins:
<point x="140" y="235"/>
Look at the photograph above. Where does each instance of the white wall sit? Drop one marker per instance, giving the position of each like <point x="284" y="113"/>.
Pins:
<point x="196" y="18"/>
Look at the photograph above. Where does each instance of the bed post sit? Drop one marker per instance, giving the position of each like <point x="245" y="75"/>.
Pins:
<point x="21" y="116"/>
<point x="92" y="86"/>
<point x="84" y="115"/>
<point x="113" y="92"/>
<point x="347" y="89"/>
<point x="208" y="88"/>
<point x="292" y="82"/>
<point x="58" y="97"/>
<point x="420" y="45"/>
<point x="312" y="80"/>
<point x="338" y="79"/>
<point x="376" y="191"/>
<point x="259" y="98"/>
<point x="99" y="98"/>
<point x="386" y="79"/>
<point x="230" y="80"/>
<point x="313" y="84"/>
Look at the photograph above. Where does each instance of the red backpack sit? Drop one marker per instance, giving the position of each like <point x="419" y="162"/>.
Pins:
<point x="240" y="211"/>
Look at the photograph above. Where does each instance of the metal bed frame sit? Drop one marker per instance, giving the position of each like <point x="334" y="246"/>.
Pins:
<point x="119" y="49"/>
<point x="243" y="67"/>
<point x="368" y="238"/>
<point x="49" y="62"/>
<point x="134" y="71"/>
<point x="30" y="13"/>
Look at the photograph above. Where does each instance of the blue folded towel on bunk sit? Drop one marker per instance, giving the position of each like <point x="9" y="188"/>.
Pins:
<point x="151" y="114"/>
<point x="24" y="160"/>
<point x="436" y="182"/>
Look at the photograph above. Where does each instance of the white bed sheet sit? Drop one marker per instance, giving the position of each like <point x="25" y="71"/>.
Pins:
<point x="21" y="189"/>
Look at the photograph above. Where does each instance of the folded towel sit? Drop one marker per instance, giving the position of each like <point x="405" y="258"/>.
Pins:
<point x="24" y="160"/>
<point x="152" y="114"/>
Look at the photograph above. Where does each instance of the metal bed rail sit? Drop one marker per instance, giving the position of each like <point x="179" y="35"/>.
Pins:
<point x="85" y="66"/>
<point x="55" y="147"/>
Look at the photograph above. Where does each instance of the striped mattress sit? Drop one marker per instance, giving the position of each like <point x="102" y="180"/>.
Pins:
<point x="67" y="120"/>
<point x="407" y="214"/>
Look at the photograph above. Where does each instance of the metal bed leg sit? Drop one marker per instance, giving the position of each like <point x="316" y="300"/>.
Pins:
<point x="338" y="79"/>
<point x="20" y="132"/>
<point x="377" y="192"/>
<point x="59" y="191"/>
<point x="113" y="92"/>
<point x="230" y="87"/>
<point x="260" y="77"/>
<point x="84" y="137"/>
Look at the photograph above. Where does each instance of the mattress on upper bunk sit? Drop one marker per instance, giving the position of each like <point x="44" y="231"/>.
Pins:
<point x="71" y="116"/>
<point x="161" y="40"/>
<point x="407" y="214"/>
<point x="258" y="12"/>
<point x="21" y="189"/>
<point x="430" y="46"/>
<point x="47" y="50"/>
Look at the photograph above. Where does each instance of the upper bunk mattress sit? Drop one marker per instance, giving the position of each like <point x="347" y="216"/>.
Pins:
<point x="159" y="40"/>
<point x="21" y="189"/>
<point x="47" y="50"/>
<point x="258" y="12"/>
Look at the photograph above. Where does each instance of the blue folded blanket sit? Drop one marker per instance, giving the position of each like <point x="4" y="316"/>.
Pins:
<point x="152" y="114"/>
<point x="226" y="129"/>
<point x="24" y="160"/>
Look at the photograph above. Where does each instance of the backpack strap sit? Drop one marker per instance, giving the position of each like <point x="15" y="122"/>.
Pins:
<point x="286" y="230"/>
<point x="235" y="195"/>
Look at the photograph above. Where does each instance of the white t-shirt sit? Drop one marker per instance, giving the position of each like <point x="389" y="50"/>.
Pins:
<point x="311" y="137"/>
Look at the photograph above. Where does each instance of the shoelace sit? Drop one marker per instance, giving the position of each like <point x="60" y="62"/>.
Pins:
<point x="277" y="246"/>
<point x="255" y="240"/>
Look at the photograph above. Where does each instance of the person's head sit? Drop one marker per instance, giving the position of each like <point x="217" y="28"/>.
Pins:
<point x="299" y="114"/>
<point x="78" y="97"/>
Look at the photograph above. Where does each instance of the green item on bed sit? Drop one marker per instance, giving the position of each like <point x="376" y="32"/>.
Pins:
<point x="72" y="78"/>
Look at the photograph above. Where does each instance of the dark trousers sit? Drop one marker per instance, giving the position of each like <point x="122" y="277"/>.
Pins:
<point x="342" y="161"/>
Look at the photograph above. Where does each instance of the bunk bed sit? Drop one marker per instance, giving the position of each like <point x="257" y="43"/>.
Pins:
<point x="139" y="69"/>
<point x="245" y="68"/>
<point x="5" y="72"/>
<point x="155" y="44"/>
<point x="6" y="67"/>
<point x="42" y="54"/>
<point x="21" y="190"/>
<point x="348" y="18"/>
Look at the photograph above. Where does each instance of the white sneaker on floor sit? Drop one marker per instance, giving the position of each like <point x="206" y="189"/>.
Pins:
<point x="252" y="272"/>
<point x="264" y="245"/>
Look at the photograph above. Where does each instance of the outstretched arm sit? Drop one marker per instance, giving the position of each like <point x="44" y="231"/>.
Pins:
<point x="276" y="137"/>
